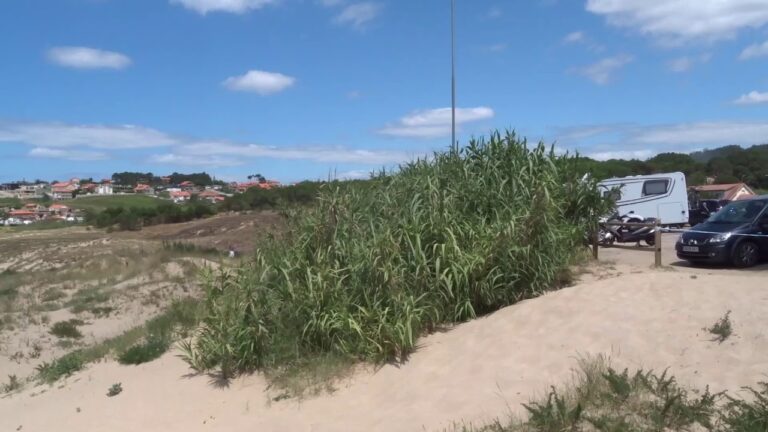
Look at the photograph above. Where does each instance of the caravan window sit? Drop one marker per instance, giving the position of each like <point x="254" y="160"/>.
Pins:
<point x="655" y="187"/>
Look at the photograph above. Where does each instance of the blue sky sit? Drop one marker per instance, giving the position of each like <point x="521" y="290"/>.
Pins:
<point x="304" y="89"/>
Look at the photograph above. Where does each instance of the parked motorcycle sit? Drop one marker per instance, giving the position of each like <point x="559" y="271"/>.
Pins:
<point x="609" y="234"/>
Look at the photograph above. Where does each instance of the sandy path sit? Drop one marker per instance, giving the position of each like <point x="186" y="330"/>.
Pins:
<point x="477" y="371"/>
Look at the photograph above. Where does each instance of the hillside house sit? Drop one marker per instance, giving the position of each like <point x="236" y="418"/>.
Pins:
<point x="64" y="190"/>
<point x="31" y="191"/>
<point x="23" y="215"/>
<point x="269" y="184"/>
<point x="211" y="196"/>
<point x="58" y="210"/>
<point x="142" y="188"/>
<point x="727" y="192"/>
<point x="180" y="196"/>
<point x="105" y="188"/>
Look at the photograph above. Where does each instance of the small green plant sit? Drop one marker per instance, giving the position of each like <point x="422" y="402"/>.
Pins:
<point x="740" y="415"/>
<point x="52" y="294"/>
<point x="67" y="329"/>
<point x="60" y="368"/>
<point x="722" y="329"/>
<point x="13" y="384"/>
<point x="115" y="390"/>
<point x="146" y="351"/>
<point x="102" y="311"/>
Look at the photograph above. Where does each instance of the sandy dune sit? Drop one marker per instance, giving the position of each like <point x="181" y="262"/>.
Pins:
<point x="477" y="371"/>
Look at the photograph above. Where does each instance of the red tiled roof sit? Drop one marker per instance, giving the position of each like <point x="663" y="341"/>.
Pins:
<point x="182" y="194"/>
<point x="22" y="213"/>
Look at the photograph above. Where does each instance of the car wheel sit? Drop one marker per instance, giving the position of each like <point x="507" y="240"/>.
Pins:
<point x="745" y="254"/>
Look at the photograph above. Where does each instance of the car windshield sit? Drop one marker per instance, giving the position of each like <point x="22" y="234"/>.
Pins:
<point x="738" y="212"/>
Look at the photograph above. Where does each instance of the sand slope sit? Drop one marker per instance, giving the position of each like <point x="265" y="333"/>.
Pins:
<point x="477" y="371"/>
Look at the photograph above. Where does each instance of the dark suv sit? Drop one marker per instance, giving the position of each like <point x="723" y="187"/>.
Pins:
<point x="736" y="234"/>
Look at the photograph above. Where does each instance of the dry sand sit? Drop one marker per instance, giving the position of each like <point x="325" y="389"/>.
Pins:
<point x="478" y="371"/>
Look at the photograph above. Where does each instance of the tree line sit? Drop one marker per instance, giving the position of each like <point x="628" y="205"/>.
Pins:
<point x="729" y="164"/>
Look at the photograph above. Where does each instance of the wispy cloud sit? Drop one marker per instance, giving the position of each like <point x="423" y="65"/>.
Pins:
<point x="612" y="140"/>
<point x="331" y="3"/>
<point x="434" y="123"/>
<point x="574" y="37"/>
<point x="68" y="154"/>
<point x="311" y="153"/>
<point x="498" y="47"/>
<point x="754" y="51"/>
<point x="354" y="175"/>
<point x="603" y="71"/>
<point x="683" y="21"/>
<point x="358" y="15"/>
<point x="752" y="98"/>
<point x="87" y="58"/>
<point x="494" y="12"/>
<point x="581" y="38"/>
<point x="261" y="82"/>
<point x="61" y="135"/>
<point x="232" y="6"/>
<point x="686" y="63"/>
<point x="96" y="142"/>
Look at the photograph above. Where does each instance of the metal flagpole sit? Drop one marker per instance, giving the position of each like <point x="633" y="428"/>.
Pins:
<point x="454" y="145"/>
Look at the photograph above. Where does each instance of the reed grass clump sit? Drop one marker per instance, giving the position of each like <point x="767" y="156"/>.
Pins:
<point x="373" y="265"/>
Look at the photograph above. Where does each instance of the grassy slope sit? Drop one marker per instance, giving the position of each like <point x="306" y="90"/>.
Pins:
<point x="100" y="203"/>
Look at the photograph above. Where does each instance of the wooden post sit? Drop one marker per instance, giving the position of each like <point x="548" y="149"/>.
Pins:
<point x="657" y="244"/>
<point x="595" y="241"/>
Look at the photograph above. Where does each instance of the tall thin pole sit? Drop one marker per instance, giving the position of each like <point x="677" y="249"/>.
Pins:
<point x="454" y="145"/>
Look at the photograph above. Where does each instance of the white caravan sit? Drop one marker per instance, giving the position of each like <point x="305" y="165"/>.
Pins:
<point x="661" y="196"/>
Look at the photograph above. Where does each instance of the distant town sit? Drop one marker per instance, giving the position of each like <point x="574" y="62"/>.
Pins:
<point x="24" y="202"/>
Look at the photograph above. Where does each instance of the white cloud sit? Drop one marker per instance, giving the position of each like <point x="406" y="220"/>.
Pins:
<point x="358" y="14"/>
<point x="74" y="155"/>
<point x="574" y="37"/>
<point x="261" y="82"/>
<point x="435" y="122"/>
<point x="681" y="21"/>
<point x="752" y="98"/>
<point x="354" y="94"/>
<point x="61" y="135"/>
<point x="686" y="63"/>
<point x="233" y="6"/>
<point x="754" y="51"/>
<point x="87" y="58"/>
<point x="602" y="72"/>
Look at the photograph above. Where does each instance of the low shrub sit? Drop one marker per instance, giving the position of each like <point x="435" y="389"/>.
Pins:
<point x="115" y="390"/>
<point x="60" y="368"/>
<point x="67" y="329"/>
<point x="12" y="385"/>
<point x="722" y="329"/>
<point x="144" y="352"/>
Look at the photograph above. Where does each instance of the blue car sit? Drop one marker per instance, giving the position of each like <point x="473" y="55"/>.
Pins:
<point x="737" y="234"/>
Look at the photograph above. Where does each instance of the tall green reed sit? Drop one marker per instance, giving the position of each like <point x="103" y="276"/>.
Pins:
<point x="374" y="265"/>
